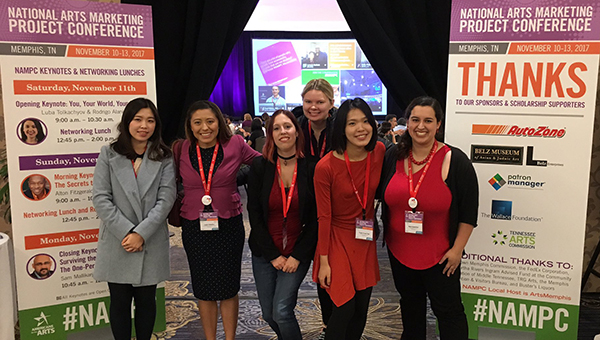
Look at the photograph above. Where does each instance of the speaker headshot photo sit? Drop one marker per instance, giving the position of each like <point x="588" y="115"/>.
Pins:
<point x="36" y="187"/>
<point x="32" y="131"/>
<point x="42" y="266"/>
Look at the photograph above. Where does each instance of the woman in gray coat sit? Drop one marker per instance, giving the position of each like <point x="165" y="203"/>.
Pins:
<point x="134" y="190"/>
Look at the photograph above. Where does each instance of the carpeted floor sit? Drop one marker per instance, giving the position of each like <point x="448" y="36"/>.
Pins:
<point x="183" y="320"/>
<point x="384" y="322"/>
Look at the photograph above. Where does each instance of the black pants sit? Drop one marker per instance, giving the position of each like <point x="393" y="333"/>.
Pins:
<point x="444" y="294"/>
<point x="120" y="310"/>
<point x="326" y="304"/>
<point x="348" y="320"/>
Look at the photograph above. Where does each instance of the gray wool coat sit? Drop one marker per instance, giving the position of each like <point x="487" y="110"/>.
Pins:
<point x="125" y="203"/>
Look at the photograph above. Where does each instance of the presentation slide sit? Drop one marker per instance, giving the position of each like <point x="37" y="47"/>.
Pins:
<point x="283" y="67"/>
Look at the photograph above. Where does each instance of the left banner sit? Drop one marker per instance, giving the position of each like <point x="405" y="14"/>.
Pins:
<point x="68" y="68"/>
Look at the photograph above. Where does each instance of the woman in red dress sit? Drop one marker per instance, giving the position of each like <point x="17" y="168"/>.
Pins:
<point x="345" y="183"/>
<point x="430" y="201"/>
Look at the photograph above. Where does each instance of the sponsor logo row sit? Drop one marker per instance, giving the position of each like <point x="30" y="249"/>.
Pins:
<point x="507" y="155"/>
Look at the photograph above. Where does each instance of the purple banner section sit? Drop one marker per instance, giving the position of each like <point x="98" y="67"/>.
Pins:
<point x="278" y="63"/>
<point x="524" y="20"/>
<point x="76" y="22"/>
<point x="80" y="160"/>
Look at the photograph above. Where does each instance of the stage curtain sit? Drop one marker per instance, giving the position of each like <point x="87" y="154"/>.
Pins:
<point x="192" y="42"/>
<point x="406" y="42"/>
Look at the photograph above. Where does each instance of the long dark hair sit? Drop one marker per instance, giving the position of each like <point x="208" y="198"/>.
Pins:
<point x="405" y="143"/>
<point x="224" y="134"/>
<point x="40" y="131"/>
<point x="157" y="150"/>
<point x="270" y="149"/>
<point x="339" y="140"/>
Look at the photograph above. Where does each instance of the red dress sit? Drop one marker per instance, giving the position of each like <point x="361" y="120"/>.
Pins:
<point x="353" y="262"/>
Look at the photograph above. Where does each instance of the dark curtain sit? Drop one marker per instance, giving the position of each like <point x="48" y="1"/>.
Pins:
<point x="406" y="42"/>
<point x="233" y="92"/>
<point x="192" y="42"/>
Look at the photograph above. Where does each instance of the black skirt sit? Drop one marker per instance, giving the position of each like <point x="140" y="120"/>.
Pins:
<point x="214" y="257"/>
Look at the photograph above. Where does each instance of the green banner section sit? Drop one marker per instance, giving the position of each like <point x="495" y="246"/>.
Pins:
<point x="56" y="321"/>
<point x="332" y="76"/>
<point x="548" y="320"/>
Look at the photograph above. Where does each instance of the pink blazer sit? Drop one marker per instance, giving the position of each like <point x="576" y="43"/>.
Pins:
<point x="226" y="198"/>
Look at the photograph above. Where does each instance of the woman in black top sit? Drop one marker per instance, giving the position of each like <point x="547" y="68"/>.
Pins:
<point x="282" y="211"/>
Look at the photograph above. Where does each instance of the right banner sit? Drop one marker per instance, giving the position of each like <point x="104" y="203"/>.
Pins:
<point x="522" y="83"/>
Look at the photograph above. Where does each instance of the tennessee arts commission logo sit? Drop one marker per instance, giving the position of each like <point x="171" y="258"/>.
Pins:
<point x="503" y="210"/>
<point x="514" y="239"/>
<point x="517" y="131"/>
<point x="515" y="181"/>
<point x="43" y="327"/>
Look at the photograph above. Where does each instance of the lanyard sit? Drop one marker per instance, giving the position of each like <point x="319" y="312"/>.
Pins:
<point x="413" y="190"/>
<point x="210" y="171"/>
<point x="287" y="202"/>
<point x="312" y="151"/>
<point x="363" y="202"/>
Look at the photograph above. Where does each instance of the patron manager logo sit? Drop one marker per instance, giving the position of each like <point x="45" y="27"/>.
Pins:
<point x="497" y="154"/>
<point x="515" y="181"/>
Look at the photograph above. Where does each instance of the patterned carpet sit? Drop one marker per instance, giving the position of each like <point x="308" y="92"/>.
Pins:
<point x="384" y="322"/>
<point x="183" y="320"/>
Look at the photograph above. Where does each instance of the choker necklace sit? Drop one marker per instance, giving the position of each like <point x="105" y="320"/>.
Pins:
<point x="431" y="152"/>
<point x="285" y="159"/>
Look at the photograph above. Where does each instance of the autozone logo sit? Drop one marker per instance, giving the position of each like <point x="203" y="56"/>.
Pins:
<point x="515" y="130"/>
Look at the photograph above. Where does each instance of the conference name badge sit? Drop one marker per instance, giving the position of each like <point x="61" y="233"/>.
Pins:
<point x="364" y="230"/>
<point x="413" y="222"/>
<point x="209" y="221"/>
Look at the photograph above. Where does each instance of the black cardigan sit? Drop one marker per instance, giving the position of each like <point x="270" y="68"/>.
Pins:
<point x="260" y="183"/>
<point x="461" y="180"/>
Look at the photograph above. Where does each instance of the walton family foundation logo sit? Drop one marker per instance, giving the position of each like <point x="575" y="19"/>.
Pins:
<point x="518" y="131"/>
<point x="514" y="239"/>
<point x="515" y="181"/>
<point x="503" y="210"/>
<point x="43" y="326"/>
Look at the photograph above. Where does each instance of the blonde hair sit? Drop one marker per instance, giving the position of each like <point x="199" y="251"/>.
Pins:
<point x="319" y="85"/>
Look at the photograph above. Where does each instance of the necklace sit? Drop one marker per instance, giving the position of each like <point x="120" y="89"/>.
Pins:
<point x="285" y="159"/>
<point x="431" y="152"/>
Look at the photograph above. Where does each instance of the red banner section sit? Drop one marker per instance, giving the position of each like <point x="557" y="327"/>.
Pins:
<point x="82" y="51"/>
<point x="576" y="47"/>
<point x="61" y="239"/>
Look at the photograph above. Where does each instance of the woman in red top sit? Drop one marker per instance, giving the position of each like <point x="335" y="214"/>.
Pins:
<point x="430" y="205"/>
<point x="345" y="183"/>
